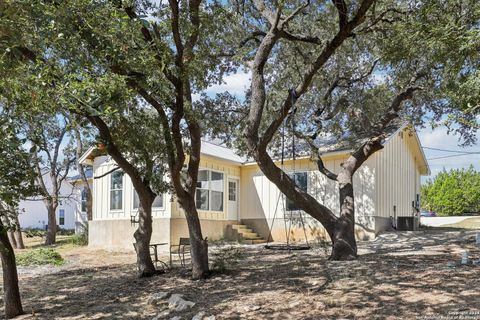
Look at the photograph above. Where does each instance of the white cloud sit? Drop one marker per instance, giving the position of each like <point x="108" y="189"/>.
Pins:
<point x="236" y="83"/>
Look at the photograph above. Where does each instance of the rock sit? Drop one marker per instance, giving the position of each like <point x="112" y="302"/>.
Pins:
<point x="252" y="308"/>
<point x="199" y="316"/>
<point x="209" y="318"/>
<point x="177" y="303"/>
<point x="157" y="298"/>
<point x="176" y="318"/>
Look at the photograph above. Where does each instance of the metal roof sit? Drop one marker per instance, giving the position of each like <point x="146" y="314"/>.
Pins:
<point x="221" y="152"/>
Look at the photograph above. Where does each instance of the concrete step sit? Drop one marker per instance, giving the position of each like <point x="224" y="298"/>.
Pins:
<point x="252" y="238"/>
<point x="241" y="231"/>
<point x="239" y="226"/>
<point x="248" y="235"/>
<point x="258" y="241"/>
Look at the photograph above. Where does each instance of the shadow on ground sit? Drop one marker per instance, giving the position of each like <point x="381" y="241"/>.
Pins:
<point x="398" y="276"/>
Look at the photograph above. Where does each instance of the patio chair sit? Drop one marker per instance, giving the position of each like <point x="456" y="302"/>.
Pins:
<point x="180" y="249"/>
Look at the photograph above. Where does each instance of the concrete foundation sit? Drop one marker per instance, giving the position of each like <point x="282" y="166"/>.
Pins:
<point x="118" y="234"/>
<point x="366" y="229"/>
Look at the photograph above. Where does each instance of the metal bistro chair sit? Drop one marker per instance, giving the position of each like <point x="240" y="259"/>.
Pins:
<point x="180" y="249"/>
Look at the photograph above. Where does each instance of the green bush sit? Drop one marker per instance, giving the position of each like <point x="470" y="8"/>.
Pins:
<point x="79" y="239"/>
<point x="39" y="257"/>
<point x="30" y="233"/>
<point x="226" y="258"/>
<point x="453" y="193"/>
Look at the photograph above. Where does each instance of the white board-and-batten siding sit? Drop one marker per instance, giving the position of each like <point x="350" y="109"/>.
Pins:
<point x="260" y="195"/>
<point x="101" y="191"/>
<point x="398" y="178"/>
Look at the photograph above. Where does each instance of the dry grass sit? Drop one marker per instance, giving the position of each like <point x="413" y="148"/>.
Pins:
<point x="410" y="275"/>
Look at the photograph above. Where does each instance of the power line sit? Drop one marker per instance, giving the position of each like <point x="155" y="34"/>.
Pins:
<point x="455" y="155"/>
<point x="455" y="151"/>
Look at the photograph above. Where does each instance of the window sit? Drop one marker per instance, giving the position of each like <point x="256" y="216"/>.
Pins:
<point x="202" y="195"/>
<point x="84" y="200"/>
<point x="61" y="217"/>
<point x="116" y="190"/>
<point x="216" y="187"/>
<point x="209" y="194"/>
<point x="300" y="179"/>
<point x="157" y="203"/>
<point x="232" y="191"/>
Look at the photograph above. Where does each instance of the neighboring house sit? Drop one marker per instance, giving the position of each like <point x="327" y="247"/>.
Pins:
<point x="33" y="212"/>
<point x="232" y="191"/>
<point x="80" y="196"/>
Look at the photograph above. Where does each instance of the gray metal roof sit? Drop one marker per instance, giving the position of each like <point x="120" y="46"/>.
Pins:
<point x="219" y="151"/>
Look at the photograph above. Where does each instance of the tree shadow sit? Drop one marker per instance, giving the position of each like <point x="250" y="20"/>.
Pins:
<point x="401" y="275"/>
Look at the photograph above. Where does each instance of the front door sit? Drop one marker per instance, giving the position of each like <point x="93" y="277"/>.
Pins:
<point x="232" y="199"/>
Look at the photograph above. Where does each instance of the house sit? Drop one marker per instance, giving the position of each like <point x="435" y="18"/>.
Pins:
<point x="33" y="212"/>
<point x="80" y="196"/>
<point x="234" y="194"/>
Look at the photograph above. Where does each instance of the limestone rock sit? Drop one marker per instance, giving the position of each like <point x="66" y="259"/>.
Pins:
<point x="157" y="298"/>
<point x="177" y="303"/>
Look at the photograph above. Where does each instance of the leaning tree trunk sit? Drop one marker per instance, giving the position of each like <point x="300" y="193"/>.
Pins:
<point x="142" y="235"/>
<point x="198" y="245"/>
<point x="52" y="226"/>
<point x="344" y="245"/>
<point x="18" y="233"/>
<point x="11" y="238"/>
<point x="12" y="301"/>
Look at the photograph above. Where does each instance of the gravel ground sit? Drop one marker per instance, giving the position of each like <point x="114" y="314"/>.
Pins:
<point x="407" y="275"/>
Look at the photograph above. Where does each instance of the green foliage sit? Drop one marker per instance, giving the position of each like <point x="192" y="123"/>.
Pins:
<point x="226" y="258"/>
<point x="38" y="257"/>
<point x="31" y="233"/>
<point x="453" y="193"/>
<point x="79" y="239"/>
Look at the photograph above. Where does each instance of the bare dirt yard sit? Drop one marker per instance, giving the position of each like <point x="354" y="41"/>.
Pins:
<point x="400" y="275"/>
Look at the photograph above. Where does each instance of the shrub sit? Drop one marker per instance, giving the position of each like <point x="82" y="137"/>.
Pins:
<point x="226" y="258"/>
<point x="39" y="257"/>
<point x="30" y="233"/>
<point x="454" y="192"/>
<point x="79" y="239"/>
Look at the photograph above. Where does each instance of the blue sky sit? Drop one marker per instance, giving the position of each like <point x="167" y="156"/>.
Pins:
<point x="237" y="84"/>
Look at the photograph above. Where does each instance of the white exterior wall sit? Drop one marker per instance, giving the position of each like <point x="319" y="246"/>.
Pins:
<point x="260" y="195"/>
<point x="398" y="179"/>
<point x="33" y="213"/>
<point x="81" y="219"/>
<point x="101" y="195"/>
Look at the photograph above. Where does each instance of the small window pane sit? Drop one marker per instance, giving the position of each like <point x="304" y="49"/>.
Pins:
<point x="84" y="200"/>
<point x="117" y="180"/>
<point x="61" y="217"/>
<point x="116" y="198"/>
<point x="300" y="179"/>
<point x="116" y="190"/>
<point x="217" y="201"/>
<point x="217" y="181"/>
<point x="158" y="202"/>
<point x="232" y="191"/>
<point x="202" y="199"/>
<point x="202" y="180"/>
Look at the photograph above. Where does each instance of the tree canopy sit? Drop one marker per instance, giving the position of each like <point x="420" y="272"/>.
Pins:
<point x="452" y="193"/>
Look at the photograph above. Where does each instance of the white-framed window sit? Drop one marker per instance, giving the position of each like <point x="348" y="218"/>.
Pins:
<point x="301" y="181"/>
<point x="232" y="190"/>
<point x="61" y="217"/>
<point x="157" y="203"/>
<point x="210" y="188"/>
<point x="83" y="200"/>
<point x="116" y="190"/>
